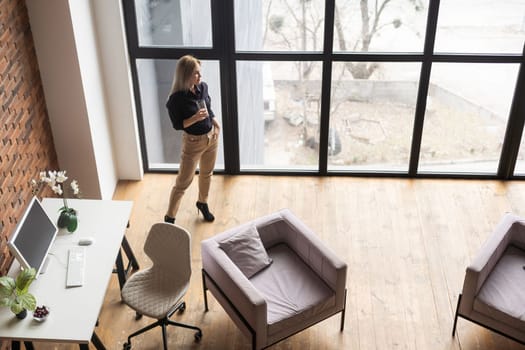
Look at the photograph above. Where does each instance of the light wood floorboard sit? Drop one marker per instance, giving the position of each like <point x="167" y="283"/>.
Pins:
<point x="406" y="242"/>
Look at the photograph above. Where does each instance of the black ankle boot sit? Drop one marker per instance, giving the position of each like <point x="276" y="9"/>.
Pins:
<point x="169" y="219"/>
<point x="203" y="208"/>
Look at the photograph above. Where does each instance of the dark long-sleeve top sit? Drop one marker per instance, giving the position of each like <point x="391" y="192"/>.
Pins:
<point x="183" y="104"/>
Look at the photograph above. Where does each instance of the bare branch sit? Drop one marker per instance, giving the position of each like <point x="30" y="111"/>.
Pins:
<point x="267" y="19"/>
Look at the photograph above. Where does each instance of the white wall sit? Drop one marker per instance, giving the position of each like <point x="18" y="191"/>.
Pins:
<point x="113" y="54"/>
<point x="88" y="91"/>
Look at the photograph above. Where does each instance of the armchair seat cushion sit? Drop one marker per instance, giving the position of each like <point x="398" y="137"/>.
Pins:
<point x="292" y="290"/>
<point x="502" y="296"/>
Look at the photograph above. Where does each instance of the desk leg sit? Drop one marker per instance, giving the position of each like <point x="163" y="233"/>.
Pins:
<point x="97" y="342"/>
<point x="129" y="253"/>
<point x="120" y="270"/>
<point x="15" y="345"/>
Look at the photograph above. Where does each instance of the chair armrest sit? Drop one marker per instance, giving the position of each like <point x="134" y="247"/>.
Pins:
<point x="490" y="252"/>
<point x="235" y="286"/>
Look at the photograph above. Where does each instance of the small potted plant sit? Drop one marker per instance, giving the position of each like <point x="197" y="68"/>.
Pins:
<point x="14" y="293"/>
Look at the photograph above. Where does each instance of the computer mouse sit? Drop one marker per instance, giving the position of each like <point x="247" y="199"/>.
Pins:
<point x="86" y="241"/>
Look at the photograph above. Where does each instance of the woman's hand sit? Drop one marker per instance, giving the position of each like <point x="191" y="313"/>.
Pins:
<point x="200" y="115"/>
<point x="216" y="128"/>
<point x="197" y="117"/>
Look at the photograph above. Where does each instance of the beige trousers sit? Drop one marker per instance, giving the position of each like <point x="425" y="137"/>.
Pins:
<point x="196" y="150"/>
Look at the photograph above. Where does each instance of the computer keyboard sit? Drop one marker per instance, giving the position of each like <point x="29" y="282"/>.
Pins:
<point x="75" y="267"/>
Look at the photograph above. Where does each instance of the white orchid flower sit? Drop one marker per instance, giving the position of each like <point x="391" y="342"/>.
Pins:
<point x="74" y="187"/>
<point x="52" y="177"/>
<point x="57" y="189"/>
<point x="56" y="181"/>
<point x="61" y="177"/>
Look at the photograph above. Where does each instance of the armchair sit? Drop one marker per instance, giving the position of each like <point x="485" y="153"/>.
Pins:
<point x="493" y="293"/>
<point x="301" y="284"/>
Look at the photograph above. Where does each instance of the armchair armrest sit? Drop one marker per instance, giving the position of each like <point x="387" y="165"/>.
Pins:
<point x="234" y="286"/>
<point x="510" y="229"/>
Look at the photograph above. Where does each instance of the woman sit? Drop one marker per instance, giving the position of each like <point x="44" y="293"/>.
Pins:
<point x="189" y="108"/>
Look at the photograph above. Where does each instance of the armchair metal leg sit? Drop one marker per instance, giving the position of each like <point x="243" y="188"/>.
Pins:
<point x="343" y="312"/>
<point x="456" y="317"/>
<point x="204" y="290"/>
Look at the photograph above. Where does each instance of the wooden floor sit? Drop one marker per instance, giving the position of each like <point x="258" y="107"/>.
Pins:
<point x="406" y="242"/>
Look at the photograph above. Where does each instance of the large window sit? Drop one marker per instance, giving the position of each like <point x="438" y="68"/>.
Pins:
<point x="371" y="120"/>
<point x="379" y="26"/>
<point x="406" y="87"/>
<point x="163" y="143"/>
<point x="278" y="108"/>
<point x="175" y="23"/>
<point x="279" y="25"/>
<point x="466" y="116"/>
<point x="481" y="26"/>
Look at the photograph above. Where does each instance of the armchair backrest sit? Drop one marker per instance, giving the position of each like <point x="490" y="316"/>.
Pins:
<point x="510" y="230"/>
<point x="284" y="227"/>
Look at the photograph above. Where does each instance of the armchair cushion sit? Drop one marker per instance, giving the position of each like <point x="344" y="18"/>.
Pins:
<point x="502" y="296"/>
<point x="292" y="290"/>
<point x="246" y="251"/>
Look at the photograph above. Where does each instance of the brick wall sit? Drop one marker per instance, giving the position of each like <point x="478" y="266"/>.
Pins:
<point x="26" y="143"/>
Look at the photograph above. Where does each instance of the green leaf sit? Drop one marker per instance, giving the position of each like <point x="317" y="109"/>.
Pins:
<point x="16" y="308"/>
<point x="24" y="279"/>
<point x="63" y="220"/>
<point x="27" y="301"/>
<point x="73" y="223"/>
<point x="6" y="301"/>
<point x="7" y="285"/>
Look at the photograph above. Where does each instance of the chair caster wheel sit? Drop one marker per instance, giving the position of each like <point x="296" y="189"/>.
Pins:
<point x="198" y="336"/>
<point x="138" y="316"/>
<point x="127" y="346"/>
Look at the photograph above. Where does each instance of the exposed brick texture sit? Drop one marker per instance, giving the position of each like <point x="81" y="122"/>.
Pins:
<point x="25" y="135"/>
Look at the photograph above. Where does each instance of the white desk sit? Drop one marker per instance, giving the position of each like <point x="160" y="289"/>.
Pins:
<point x="74" y="311"/>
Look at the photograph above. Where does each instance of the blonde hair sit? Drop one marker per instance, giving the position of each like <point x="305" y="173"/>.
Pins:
<point x="183" y="73"/>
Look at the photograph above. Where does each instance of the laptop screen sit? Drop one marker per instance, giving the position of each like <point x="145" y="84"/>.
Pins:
<point x="33" y="236"/>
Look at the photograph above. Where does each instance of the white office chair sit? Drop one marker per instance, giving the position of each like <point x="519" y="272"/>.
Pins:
<point x="157" y="292"/>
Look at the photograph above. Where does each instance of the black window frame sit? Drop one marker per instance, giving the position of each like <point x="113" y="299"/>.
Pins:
<point x="223" y="51"/>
